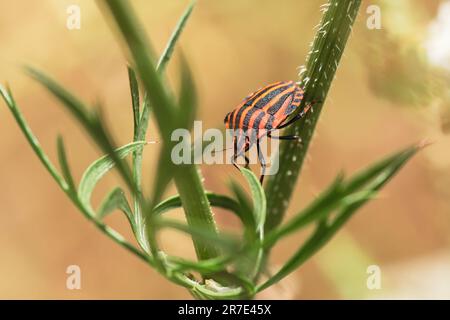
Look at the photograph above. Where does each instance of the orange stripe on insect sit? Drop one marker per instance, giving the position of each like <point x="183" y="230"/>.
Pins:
<point x="248" y="105"/>
<point x="264" y="111"/>
<point x="249" y="119"/>
<point x="247" y="102"/>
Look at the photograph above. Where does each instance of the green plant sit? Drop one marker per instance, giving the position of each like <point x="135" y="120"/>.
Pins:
<point x="229" y="268"/>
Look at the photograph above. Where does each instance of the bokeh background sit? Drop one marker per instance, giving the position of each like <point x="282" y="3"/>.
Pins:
<point x="391" y="90"/>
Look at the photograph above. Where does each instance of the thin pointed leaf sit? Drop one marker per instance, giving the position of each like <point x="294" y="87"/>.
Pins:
<point x="64" y="164"/>
<point x="259" y="199"/>
<point x="317" y="240"/>
<point x="216" y="200"/>
<point x="367" y="175"/>
<point x="73" y="104"/>
<point x="321" y="207"/>
<point x="340" y="193"/>
<point x="31" y="138"/>
<point x="204" y="266"/>
<point x="228" y="242"/>
<point x="165" y="170"/>
<point x="311" y="245"/>
<point x="188" y="96"/>
<point x="167" y="53"/>
<point x="91" y="121"/>
<point x="143" y="121"/>
<point x="115" y="200"/>
<point x="135" y="103"/>
<point x="140" y="130"/>
<point x="99" y="168"/>
<point x="326" y="231"/>
<point x="259" y="215"/>
<point x="245" y="209"/>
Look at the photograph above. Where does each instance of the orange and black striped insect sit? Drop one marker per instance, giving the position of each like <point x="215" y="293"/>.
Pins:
<point x="262" y="112"/>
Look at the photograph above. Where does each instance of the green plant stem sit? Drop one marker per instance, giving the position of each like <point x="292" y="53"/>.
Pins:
<point x="141" y="121"/>
<point x="322" y="63"/>
<point x="187" y="179"/>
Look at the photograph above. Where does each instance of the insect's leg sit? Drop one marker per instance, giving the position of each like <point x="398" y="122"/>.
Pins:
<point x="297" y="116"/>
<point x="292" y="120"/>
<point x="234" y="156"/>
<point x="262" y="161"/>
<point x="247" y="147"/>
<point x="293" y="137"/>
<point x="247" y="162"/>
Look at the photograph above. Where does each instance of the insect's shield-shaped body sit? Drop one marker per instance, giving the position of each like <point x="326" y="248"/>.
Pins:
<point x="266" y="108"/>
<point x="261" y="113"/>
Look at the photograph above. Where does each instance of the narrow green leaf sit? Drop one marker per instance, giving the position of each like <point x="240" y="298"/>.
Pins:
<point x="318" y="239"/>
<point x="87" y="212"/>
<point x="244" y="266"/>
<point x="99" y="168"/>
<point x="167" y="54"/>
<point x="64" y="164"/>
<point x="138" y="198"/>
<point x="91" y="121"/>
<point x="135" y="103"/>
<point x="259" y="199"/>
<point x="143" y="122"/>
<point x="321" y="207"/>
<point x="115" y="200"/>
<point x="228" y="242"/>
<point x="259" y="215"/>
<point x="386" y="169"/>
<point x="188" y="96"/>
<point x="31" y="138"/>
<point x="244" y="202"/>
<point x="306" y="250"/>
<point x="73" y="104"/>
<point x="166" y="171"/>
<point x="209" y="266"/>
<point x="216" y="200"/>
<point x="341" y="194"/>
<point x="367" y="175"/>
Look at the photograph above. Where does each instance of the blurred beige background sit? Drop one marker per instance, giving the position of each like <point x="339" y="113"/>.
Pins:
<point x="379" y="103"/>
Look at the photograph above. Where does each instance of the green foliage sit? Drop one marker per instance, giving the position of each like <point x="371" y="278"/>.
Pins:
<point x="230" y="265"/>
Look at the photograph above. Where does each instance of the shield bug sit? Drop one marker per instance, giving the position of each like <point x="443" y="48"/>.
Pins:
<point x="262" y="112"/>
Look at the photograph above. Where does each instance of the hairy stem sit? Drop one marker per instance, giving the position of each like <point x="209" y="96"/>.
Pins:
<point x="316" y="78"/>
